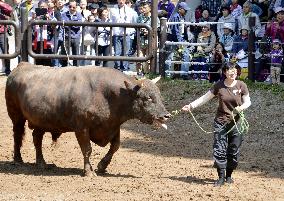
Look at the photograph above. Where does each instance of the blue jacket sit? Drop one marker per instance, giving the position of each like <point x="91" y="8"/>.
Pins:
<point x="240" y="43"/>
<point x="75" y="31"/>
<point x="177" y="30"/>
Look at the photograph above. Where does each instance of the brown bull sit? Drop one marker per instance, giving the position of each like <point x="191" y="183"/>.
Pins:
<point x="92" y="102"/>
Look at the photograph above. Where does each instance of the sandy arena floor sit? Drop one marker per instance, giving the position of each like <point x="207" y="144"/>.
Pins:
<point x="152" y="164"/>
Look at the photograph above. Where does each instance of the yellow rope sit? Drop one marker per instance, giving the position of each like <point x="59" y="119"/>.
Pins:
<point x="244" y="125"/>
<point x="198" y="123"/>
<point x="242" y="129"/>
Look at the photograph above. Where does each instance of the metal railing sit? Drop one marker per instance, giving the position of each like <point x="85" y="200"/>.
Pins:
<point x="17" y="37"/>
<point x="68" y="24"/>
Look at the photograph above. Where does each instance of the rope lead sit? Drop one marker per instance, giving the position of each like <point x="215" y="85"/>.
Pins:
<point x="242" y="128"/>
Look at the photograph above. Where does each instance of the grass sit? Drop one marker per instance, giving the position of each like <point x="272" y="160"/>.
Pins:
<point x="182" y="88"/>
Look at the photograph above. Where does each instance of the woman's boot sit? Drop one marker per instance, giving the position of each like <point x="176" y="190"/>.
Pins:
<point x="229" y="172"/>
<point x="221" y="180"/>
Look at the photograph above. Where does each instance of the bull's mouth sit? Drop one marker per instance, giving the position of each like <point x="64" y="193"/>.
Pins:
<point x="160" y="122"/>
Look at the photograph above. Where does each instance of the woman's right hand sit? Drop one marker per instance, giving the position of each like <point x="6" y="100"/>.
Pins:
<point x="187" y="108"/>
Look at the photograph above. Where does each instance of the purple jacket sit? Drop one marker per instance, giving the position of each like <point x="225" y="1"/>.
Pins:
<point x="276" y="56"/>
<point x="169" y="7"/>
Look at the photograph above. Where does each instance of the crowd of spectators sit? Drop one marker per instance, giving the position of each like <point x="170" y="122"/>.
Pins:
<point x="225" y="37"/>
<point x="67" y="40"/>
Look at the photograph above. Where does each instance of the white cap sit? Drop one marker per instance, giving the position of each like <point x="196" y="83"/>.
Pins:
<point x="278" y="9"/>
<point x="245" y="27"/>
<point x="228" y="26"/>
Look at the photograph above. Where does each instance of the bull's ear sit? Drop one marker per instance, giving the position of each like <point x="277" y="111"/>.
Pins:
<point x="132" y="87"/>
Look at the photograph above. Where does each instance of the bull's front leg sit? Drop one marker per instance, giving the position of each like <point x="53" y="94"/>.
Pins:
<point x="37" y="139"/>
<point x="83" y="139"/>
<point x="114" y="146"/>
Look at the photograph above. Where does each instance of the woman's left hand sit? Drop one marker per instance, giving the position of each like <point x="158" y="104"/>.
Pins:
<point x="238" y="109"/>
<point x="187" y="108"/>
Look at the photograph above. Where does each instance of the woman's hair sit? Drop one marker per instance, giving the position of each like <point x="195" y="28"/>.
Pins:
<point x="100" y="11"/>
<point x="225" y="7"/>
<point x="229" y="65"/>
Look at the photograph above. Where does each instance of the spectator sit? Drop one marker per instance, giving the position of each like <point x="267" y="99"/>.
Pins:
<point x="276" y="56"/>
<point x="204" y="18"/>
<point x="60" y="8"/>
<point x="133" y="37"/>
<point x="275" y="4"/>
<point x="264" y="6"/>
<point x="145" y="18"/>
<point x="206" y="36"/>
<point x="16" y="11"/>
<point x="255" y="8"/>
<point x="165" y="8"/>
<point x="243" y="20"/>
<point x="121" y="13"/>
<point x="30" y="8"/>
<point x="94" y="9"/>
<point x="6" y="12"/>
<point x="84" y="11"/>
<point x="198" y="13"/>
<point x="213" y="6"/>
<point x="228" y="37"/>
<point x="240" y="47"/>
<point x="89" y="42"/>
<point x="72" y="35"/>
<point x="51" y="8"/>
<point x="275" y="29"/>
<point x="241" y="41"/>
<point x="103" y="35"/>
<point x="226" y="18"/>
<point x="236" y="9"/>
<point x="177" y="31"/>
<point x="217" y="59"/>
<point x="43" y="35"/>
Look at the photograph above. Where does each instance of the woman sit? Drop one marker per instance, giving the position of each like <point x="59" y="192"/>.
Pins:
<point x="233" y="95"/>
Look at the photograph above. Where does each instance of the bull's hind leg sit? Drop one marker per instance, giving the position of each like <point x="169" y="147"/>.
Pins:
<point x="37" y="139"/>
<point x="83" y="139"/>
<point x="19" y="131"/>
<point x="114" y="146"/>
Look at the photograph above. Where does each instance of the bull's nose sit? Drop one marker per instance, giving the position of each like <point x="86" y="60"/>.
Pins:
<point x="167" y="116"/>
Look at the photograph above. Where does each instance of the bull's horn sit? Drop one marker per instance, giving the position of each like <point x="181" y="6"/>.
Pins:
<point x="155" y="80"/>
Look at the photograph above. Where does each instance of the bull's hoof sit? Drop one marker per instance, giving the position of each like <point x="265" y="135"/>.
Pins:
<point x="18" y="160"/>
<point x="102" y="167"/>
<point x="41" y="165"/>
<point x="100" y="171"/>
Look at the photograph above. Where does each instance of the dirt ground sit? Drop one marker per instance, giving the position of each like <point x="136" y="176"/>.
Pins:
<point x="173" y="164"/>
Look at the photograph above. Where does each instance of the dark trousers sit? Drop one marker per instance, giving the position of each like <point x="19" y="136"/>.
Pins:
<point x="226" y="147"/>
<point x="5" y="46"/>
<point x="45" y="62"/>
<point x="103" y="50"/>
<point x="75" y="49"/>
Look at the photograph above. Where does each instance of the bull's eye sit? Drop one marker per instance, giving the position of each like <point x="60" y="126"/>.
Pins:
<point x="149" y="99"/>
